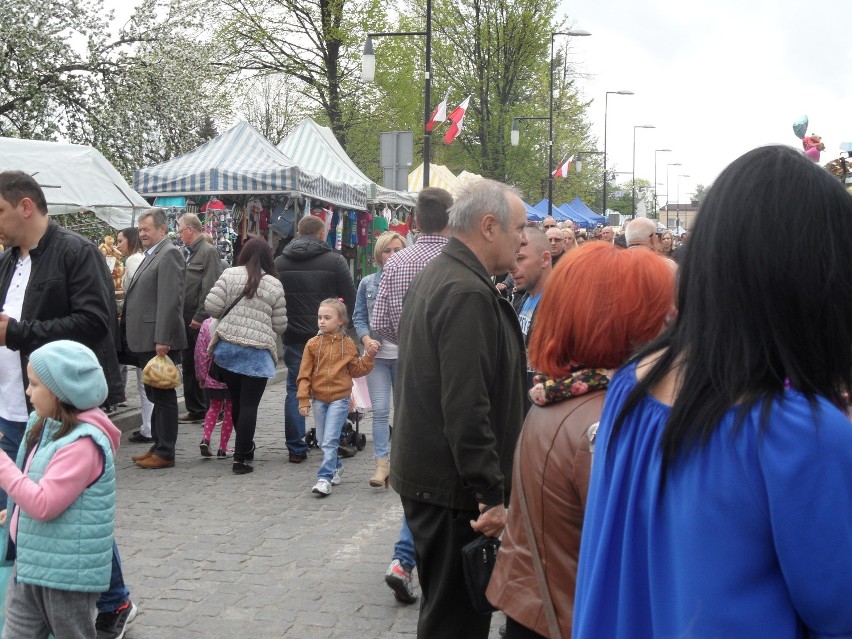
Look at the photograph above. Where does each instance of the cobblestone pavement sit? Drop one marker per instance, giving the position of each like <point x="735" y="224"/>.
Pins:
<point x="207" y="553"/>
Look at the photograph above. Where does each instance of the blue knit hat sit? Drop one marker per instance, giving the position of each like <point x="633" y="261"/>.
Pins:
<point x="71" y="372"/>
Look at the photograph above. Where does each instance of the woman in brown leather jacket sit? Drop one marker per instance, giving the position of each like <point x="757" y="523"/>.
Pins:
<point x="599" y="305"/>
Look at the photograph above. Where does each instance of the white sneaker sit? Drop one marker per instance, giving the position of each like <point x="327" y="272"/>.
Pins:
<point x="337" y="479"/>
<point x="322" y="488"/>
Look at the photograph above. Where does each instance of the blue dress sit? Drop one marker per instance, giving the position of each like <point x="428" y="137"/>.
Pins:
<point x="751" y="538"/>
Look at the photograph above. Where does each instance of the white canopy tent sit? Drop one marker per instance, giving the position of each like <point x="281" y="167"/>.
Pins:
<point x="74" y="177"/>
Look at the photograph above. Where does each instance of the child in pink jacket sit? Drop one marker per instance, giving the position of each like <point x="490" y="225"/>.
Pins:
<point x="217" y="396"/>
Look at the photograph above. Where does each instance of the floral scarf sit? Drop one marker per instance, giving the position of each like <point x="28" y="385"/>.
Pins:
<point x="579" y="381"/>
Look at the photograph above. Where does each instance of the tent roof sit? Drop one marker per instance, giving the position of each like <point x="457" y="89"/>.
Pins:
<point x="466" y="177"/>
<point x="578" y="205"/>
<point x="315" y="148"/>
<point x="534" y="214"/>
<point x="74" y="177"/>
<point x="241" y="161"/>
<point x="439" y="176"/>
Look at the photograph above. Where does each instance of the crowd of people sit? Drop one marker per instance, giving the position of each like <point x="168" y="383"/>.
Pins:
<point x="656" y="434"/>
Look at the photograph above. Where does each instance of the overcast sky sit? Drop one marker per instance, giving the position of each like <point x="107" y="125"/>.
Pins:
<point x="716" y="79"/>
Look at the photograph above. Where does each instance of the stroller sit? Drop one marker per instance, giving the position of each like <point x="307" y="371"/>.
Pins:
<point x="351" y="438"/>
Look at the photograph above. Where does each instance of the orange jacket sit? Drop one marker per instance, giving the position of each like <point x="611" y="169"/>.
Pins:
<point x="329" y="363"/>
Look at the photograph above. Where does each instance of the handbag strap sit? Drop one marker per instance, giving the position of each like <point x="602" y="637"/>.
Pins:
<point x="228" y="310"/>
<point x="547" y="602"/>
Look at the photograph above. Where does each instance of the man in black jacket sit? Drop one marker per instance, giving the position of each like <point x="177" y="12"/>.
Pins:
<point x="310" y="272"/>
<point x="459" y="398"/>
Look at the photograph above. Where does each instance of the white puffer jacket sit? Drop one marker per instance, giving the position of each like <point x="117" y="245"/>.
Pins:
<point x="252" y="322"/>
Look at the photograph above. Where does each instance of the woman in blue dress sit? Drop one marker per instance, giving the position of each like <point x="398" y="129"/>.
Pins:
<point x="719" y="503"/>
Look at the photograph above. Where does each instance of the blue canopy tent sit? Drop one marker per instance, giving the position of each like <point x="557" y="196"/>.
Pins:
<point x="542" y="208"/>
<point x="533" y="214"/>
<point x="578" y="205"/>
<point x="241" y="161"/>
<point x="578" y="218"/>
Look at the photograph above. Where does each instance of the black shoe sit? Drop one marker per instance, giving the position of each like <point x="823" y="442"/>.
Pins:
<point x="297" y="458"/>
<point x="139" y="438"/>
<point x="205" y="448"/>
<point x="346" y="451"/>
<point x="112" y="625"/>
<point x="241" y="468"/>
<point x="188" y="418"/>
<point x="221" y="454"/>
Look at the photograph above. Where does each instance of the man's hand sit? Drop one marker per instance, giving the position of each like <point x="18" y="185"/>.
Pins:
<point x="162" y="349"/>
<point x="195" y="324"/>
<point x="491" y="521"/>
<point x="304" y="411"/>
<point x="4" y="324"/>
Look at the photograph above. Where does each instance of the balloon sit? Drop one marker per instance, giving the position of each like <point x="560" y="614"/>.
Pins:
<point x="800" y="126"/>
<point x="813" y="153"/>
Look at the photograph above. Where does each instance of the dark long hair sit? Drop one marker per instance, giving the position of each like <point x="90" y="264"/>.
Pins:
<point x="131" y="234"/>
<point x="765" y="296"/>
<point x="256" y="256"/>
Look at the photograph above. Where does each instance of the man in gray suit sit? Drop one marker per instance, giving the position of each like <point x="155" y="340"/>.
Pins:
<point x="203" y="268"/>
<point x="153" y="325"/>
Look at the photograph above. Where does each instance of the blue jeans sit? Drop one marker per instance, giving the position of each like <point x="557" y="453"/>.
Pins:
<point x="294" y="423"/>
<point x="329" y="418"/>
<point x="13" y="433"/>
<point x="380" y="383"/>
<point x="112" y="599"/>
<point x="403" y="549"/>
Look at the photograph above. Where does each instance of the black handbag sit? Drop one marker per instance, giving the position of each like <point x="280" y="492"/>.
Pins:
<point x="215" y="371"/>
<point x="478" y="559"/>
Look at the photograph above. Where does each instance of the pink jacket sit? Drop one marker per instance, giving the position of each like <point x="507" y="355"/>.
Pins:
<point x="203" y="359"/>
<point x="70" y="470"/>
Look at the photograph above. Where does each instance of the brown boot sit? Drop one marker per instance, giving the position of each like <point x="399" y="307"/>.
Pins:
<point x="155" y="462"/>
<point x="382" y="471"/>
<point x="141" y="456"/>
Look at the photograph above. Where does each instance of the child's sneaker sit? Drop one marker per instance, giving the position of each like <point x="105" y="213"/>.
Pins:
<point x="337" y="478"/>
<point x="322" y="488"/>
<point x="205" y="448"/>
<point x="221" y="454"/>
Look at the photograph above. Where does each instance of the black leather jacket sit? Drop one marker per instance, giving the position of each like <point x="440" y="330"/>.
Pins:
<point x="70" y="295"/>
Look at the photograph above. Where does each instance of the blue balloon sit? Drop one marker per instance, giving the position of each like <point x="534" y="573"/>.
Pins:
<point x="800" y="127"/>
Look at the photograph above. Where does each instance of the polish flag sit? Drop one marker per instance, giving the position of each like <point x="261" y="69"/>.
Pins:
<point x="457" y="119"/>
<point x="562" y="169"/>
<point x="439" y="114"/>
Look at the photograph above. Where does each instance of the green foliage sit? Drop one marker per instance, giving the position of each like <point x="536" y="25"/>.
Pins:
<point x="700" y="193"/>
<point x="140" y="96"/>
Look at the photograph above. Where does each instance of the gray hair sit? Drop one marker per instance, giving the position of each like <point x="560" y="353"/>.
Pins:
<point x="478" y="200"/>
<point x="640" y="230"/>
<point x="190" y="220"/>
<point x="157" y="215"/>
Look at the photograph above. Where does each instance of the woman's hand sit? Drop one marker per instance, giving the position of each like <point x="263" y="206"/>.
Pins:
<point x="304" y="411"/>
<point x="371" y="346"/>
<point x="3" y="514"/>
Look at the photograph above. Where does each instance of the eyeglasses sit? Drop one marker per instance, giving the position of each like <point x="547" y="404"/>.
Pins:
<point x="550" y="226"/>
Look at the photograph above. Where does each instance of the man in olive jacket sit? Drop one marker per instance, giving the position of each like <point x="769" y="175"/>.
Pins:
<point x="459" y="393"/>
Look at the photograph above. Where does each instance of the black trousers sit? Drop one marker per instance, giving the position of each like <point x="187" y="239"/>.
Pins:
<point x="164" y="418"/>
<point x="445" y="609"/>
<point x="193" y="394"/>
<point x="246" y="393"/>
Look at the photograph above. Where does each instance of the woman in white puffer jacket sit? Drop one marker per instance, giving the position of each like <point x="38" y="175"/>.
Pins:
<point x="248" y="300"/>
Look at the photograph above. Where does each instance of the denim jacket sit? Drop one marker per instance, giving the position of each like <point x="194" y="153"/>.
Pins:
<point x="364" y="301"/>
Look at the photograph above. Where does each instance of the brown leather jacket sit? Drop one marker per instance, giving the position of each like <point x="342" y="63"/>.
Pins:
<point x="554" y="457"/>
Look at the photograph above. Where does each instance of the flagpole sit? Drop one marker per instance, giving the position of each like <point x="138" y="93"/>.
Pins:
<point x="427" y="135"/>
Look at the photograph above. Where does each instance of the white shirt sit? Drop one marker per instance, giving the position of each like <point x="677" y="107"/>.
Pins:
<point x="13" y="402"/>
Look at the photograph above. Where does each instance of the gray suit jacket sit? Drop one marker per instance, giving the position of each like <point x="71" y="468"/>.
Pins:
<point x="202" y="270"/>
<point x="153" y="302"/>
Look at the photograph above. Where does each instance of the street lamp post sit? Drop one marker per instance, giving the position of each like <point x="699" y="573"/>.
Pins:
<point x="668" y="183"/>
<point x="578" y="32"/>
<point x="656" y="203"/>
<point x="515" y="136"/>
<point x="633" y="181"/>
<point x="606" y="107"/>
<point x="368" y="73"/>
<point x="677" y="215"/>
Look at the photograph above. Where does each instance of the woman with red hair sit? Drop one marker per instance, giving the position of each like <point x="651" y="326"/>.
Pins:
<point x="600" y="304"/>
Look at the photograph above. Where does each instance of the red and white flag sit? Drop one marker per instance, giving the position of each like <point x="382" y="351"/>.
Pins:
<point x="457" y="120"/>
<point x="439" y="114"/>
<point x="562" y="169"/>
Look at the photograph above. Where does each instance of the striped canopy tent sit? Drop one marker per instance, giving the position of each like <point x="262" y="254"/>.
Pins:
<point x="439" y="176"/>
<point x="578" y="205"/>
<point x="241" y="161"/>
<point x="315" y="148"/>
